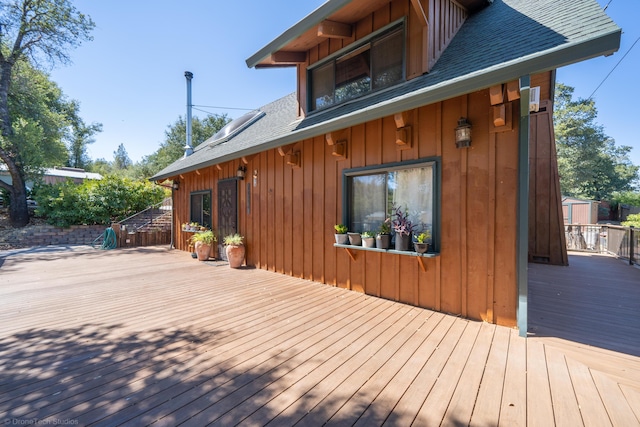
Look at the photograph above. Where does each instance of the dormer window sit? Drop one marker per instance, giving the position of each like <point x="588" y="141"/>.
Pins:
<point x="367" y="66"/>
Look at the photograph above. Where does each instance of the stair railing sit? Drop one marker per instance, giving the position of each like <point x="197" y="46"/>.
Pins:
<point x="147" y="215"/>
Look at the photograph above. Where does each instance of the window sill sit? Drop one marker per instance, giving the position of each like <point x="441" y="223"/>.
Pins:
<point x="389" y="251"/>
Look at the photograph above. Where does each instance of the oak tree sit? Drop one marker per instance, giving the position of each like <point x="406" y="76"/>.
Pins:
<point x="41" y="32"/>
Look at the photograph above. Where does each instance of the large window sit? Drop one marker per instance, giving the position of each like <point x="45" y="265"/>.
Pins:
<point x="201" y="208"/>
<point x="373" y="65"/>
<point x="373" y="193"/>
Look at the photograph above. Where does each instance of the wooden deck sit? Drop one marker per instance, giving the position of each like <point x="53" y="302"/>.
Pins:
<point x="145" y="335"/>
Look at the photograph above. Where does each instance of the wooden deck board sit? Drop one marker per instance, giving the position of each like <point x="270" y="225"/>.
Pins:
<point x="146" y="336"/>
<point x="539" y="410"/>
<point x="565" y="406"/>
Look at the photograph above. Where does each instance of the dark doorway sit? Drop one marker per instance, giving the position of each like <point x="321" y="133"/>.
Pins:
<point x="227" y="211"/>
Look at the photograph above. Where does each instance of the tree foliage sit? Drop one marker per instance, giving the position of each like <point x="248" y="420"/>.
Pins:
<point x="80" y="135"/>
<point x="95" y="201"/>
<point x="175" y="140"/>
<point x="40" y="116"/>
<point x="37" y="32"/>
<point x="590" y="164"/>
<point x="629" y="198"/>
<point x="121" y="158"/>
<point x="633" y="220"/>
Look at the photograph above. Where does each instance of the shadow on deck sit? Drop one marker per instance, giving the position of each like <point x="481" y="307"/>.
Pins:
<point x="594" y="301"/>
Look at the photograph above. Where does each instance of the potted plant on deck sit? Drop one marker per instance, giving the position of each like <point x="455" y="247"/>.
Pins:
<point x="421" y="244"/>
<point x="403" y="227"/>
<point x="234" y="248"/>
<point x="341" y="234"/>
<point x="203" y="241"/>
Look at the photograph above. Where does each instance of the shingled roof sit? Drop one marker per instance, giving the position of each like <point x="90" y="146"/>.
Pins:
<point x="500" y="43"/>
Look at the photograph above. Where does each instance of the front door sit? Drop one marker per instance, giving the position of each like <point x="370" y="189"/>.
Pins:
<point x="227" y="211"/>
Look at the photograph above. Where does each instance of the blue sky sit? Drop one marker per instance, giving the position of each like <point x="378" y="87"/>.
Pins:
<point x="131" y="78"/>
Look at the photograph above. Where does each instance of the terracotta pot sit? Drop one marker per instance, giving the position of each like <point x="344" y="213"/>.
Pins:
<point x="383" y="241"/>
<point x="235" y="255"/>
<point x="203" y="251"/>
<point x="342" y="239"/>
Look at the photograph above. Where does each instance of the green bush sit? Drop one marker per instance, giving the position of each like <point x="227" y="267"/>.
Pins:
<point x="633" y="220"/>
<point x="100" y="202"/>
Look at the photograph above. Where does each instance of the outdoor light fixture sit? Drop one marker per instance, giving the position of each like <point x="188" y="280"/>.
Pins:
<point x="241" y="171"/>
<point x="463" y="133"/>
<point x="176" y="185"/>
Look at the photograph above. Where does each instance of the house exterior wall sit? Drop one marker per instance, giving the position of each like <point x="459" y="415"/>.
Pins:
<point x="288" y="216"/>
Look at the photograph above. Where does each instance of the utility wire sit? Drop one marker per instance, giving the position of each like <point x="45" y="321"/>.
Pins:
<point x="223" y="108"/>
<point x="612" y="70"/>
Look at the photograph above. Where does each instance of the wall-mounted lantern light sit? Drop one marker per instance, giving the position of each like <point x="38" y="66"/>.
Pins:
<point x="463" y="133"/>
<point x="241" y="172"/>
<point x="176" y="185"/>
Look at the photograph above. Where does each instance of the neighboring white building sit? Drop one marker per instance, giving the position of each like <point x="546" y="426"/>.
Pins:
<point x="54" y="175"/>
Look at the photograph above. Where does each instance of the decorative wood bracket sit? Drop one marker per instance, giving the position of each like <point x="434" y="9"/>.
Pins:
<point x="421" y="262"/>
<point x="401" y="119"/>
<point x="294" y="159"/>
<point x="501" y="119"/>
<point x="513" y="91"/>
<point x="403" y="130"/>
<point x="335" y="30"/>
<point x="219" y="167"/>
<point x="288" y="57"/>
<point x="496" y="95"/>
<point x="338" y="142"/>
<point x="246" y="159"/>
<point x="285" y="149"/>
<point x="351" y="254"/>
<point x="340" y="149"/>
<point x="403" y="138"/>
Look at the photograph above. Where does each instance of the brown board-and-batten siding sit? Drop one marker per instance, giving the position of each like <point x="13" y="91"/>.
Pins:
<point x="289" y="220"/>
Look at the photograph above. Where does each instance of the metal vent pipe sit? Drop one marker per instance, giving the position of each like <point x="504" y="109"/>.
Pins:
<point x="188" y="148"/>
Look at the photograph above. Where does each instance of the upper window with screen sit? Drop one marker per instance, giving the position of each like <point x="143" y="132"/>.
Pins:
<point x="373" y="65"/>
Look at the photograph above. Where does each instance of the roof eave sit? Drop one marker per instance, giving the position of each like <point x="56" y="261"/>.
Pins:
<point x="532" y="64"/>
<point x="307" y="23"/>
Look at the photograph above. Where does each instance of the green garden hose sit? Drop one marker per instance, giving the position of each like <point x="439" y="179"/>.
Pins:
<point x="108" y="238"/>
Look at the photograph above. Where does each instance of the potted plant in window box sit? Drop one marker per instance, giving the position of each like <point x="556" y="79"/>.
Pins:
<point x="421" y="244"/>
<point x="234" y="248"/>
<point x="368" y="239"/>
<point x="341" y="234"/>
<point x="403" y="227"/>
<point x="203" y="241"/>
<point x="383" y="238"/>
<point x="354" y="239"/>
